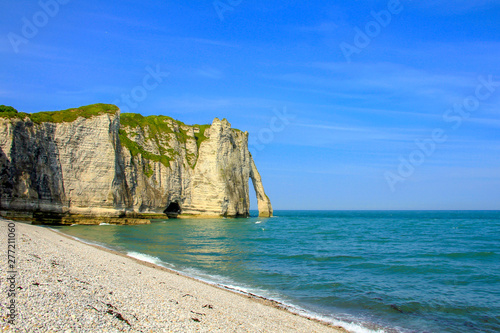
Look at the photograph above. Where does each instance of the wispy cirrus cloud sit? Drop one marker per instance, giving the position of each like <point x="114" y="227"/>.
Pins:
<point x="376" y="81"/>
<point x="389" y="75"/>
<point x="195" y="103"/>
<point x="5" y="93"/>
<point x="213" y="42"/>
<point x="323" y="27"/>
<point x="451" y="7"/>
<point x="210" y="73"/>
<point x="334" y="127"/>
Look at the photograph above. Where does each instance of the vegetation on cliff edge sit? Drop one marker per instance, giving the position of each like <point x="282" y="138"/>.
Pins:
<point x="200" y="137"/>
<point x="153" y="128"/>
<point x="5" y="108"/>
<point x="68" y="115"/>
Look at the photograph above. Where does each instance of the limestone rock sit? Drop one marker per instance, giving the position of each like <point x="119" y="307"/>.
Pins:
<point x="98" y="165"/>
<point x="263" y="202"/>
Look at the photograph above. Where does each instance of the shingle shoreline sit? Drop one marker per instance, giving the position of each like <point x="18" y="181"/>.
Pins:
<point x="63" y="285"/>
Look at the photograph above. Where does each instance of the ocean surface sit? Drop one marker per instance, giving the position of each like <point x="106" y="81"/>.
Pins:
<point x="370" y="271"/>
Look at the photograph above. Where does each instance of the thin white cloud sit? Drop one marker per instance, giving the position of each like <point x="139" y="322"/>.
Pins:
<point x="364" y="80"/>
<point x="213" y="42"/>
<point x="333" y="127"/>
<point x="211" y="73"/>
<point x="5" y="93"/>
<point x="195" y="104"/>
<point x="323" y="27"/>
<point x="93" y="90"/>
<point x="388" y="75"/>
<point x="123" y="20"/>
<point x="452" y="7"/>
<point x="486" y="122"/>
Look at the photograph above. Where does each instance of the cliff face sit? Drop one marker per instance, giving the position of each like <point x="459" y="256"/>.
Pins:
<point x="220" y="177"/>
<point x="98" y="166"/>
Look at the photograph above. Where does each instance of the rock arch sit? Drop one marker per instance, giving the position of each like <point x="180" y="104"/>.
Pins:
<point x="263" y="202"/>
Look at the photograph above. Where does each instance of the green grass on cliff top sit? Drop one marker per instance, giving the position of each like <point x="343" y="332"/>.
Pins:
<point x="161" y="125"/>
<point x="68" y="115"/>
<point x="154" y="126"/>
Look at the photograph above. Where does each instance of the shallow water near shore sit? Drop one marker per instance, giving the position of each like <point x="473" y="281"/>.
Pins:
<point x="390" y="271"/>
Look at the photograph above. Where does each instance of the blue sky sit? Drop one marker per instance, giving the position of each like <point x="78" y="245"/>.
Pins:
<point x="335" y="95"/>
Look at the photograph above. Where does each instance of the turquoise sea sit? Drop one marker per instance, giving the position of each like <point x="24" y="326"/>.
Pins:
<point x="386" y="271"/>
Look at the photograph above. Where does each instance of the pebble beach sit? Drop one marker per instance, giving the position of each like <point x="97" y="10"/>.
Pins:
<point x="64" y="285"/>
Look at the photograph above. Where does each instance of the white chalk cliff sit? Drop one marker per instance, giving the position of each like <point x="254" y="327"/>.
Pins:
<point x="92" y="163"/>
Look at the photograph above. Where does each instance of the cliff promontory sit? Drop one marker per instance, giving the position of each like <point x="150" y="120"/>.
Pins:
<point x="94" y="164"/>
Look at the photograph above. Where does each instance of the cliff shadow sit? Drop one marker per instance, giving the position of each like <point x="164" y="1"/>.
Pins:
<point x="31" y="178"/>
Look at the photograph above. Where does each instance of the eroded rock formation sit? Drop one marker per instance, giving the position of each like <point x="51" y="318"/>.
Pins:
<point x="93" y="165"/>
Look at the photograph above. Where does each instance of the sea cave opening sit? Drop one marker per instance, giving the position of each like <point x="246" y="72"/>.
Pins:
<point x="172" y="210"/>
